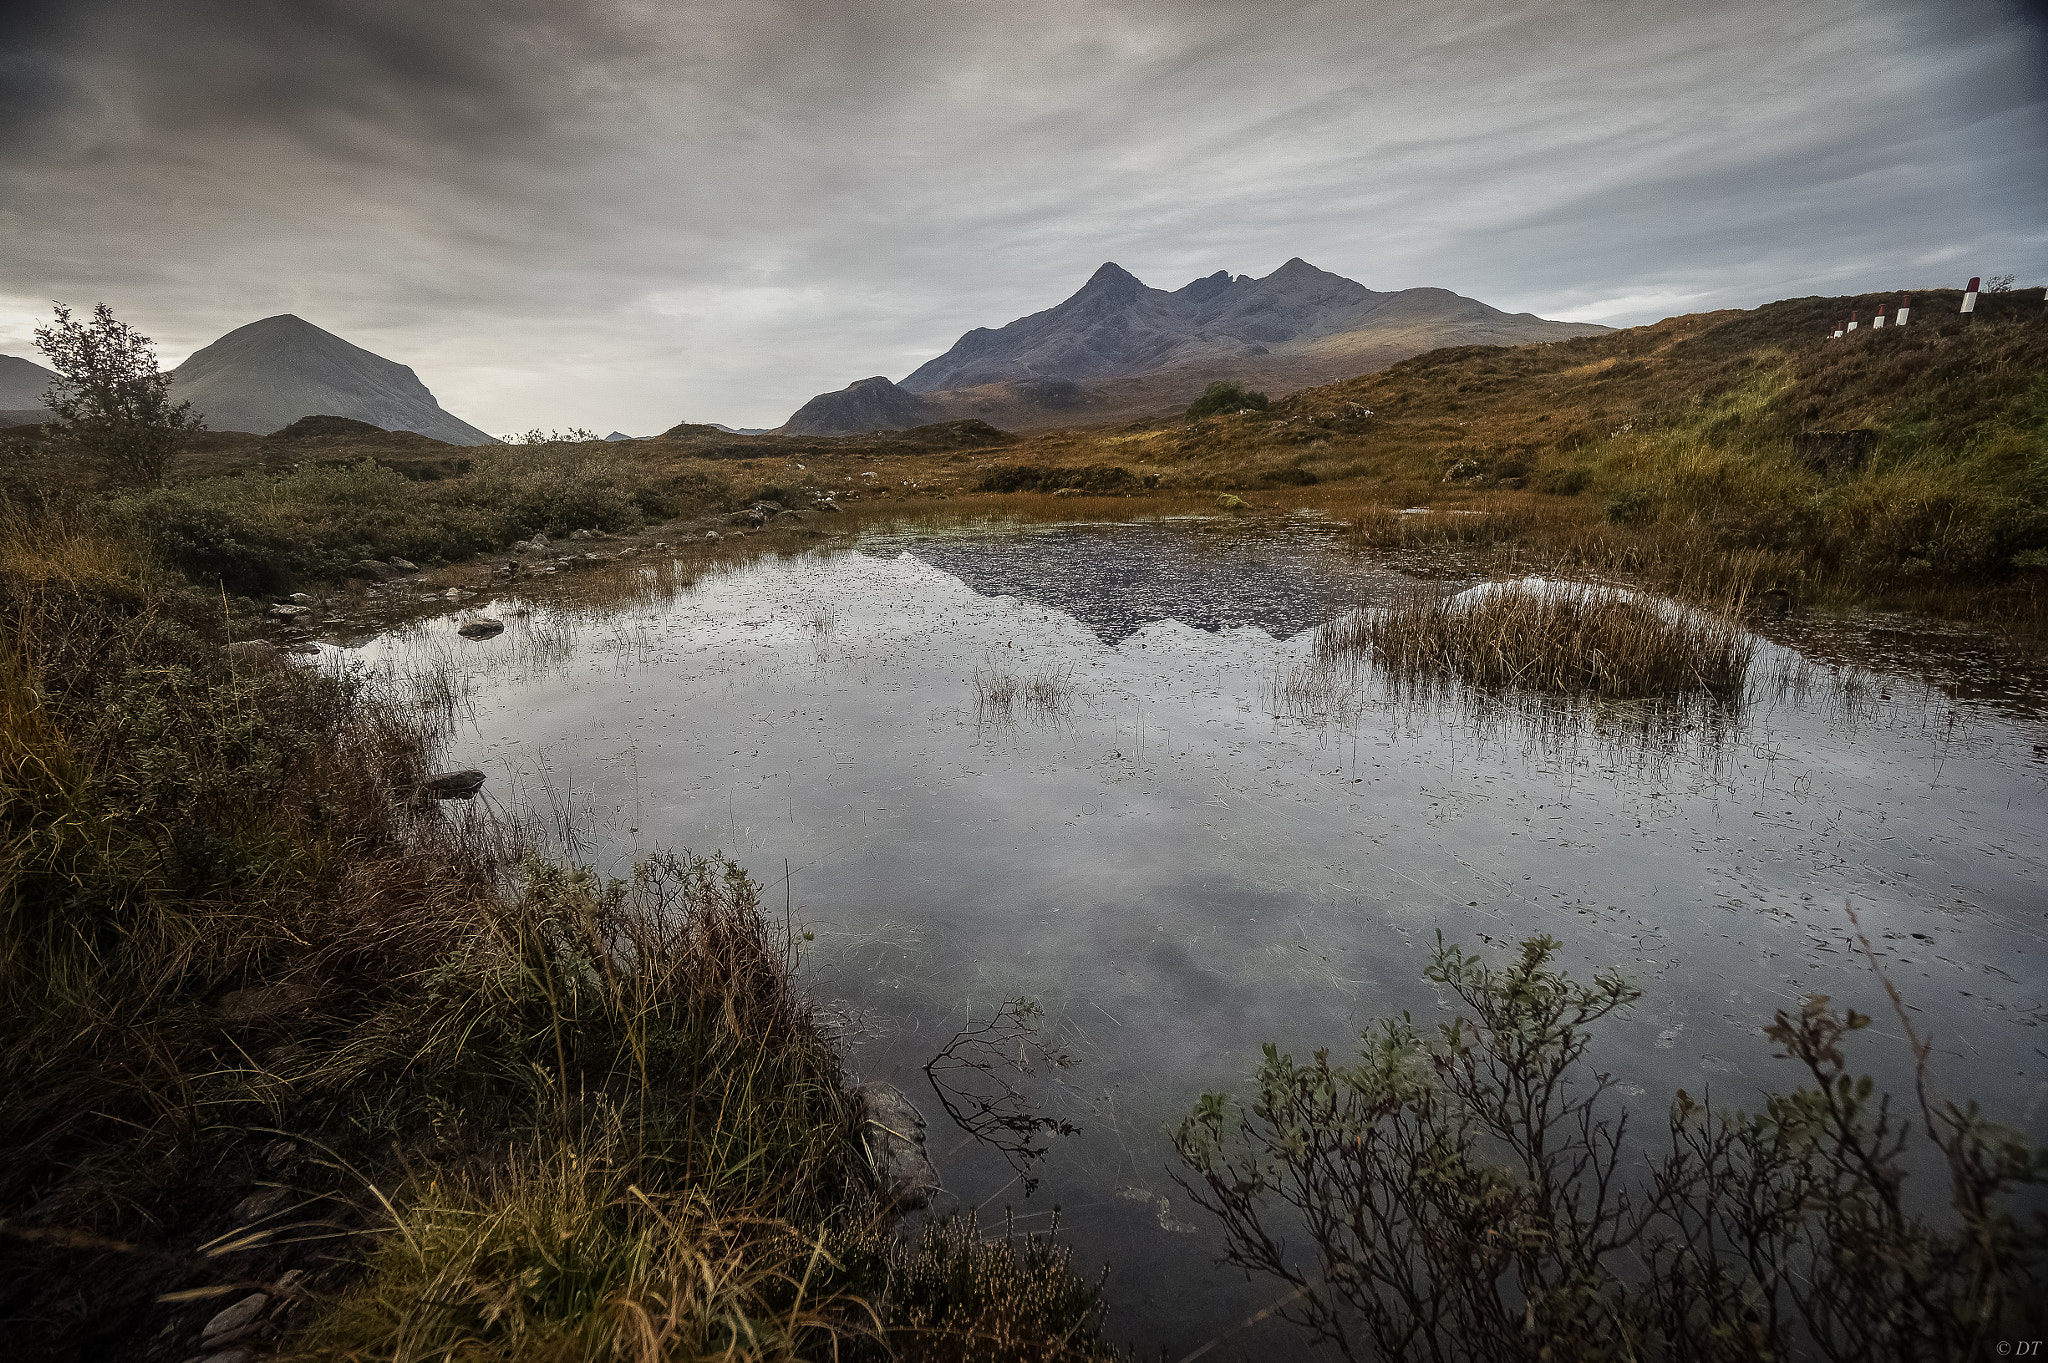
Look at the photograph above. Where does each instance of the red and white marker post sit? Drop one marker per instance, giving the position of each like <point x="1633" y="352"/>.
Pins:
<point x="1905" y="306"/>
<point x="1852" y="321"/>
<point x="1970" y="297"/>
<point x="1877" y="322"/>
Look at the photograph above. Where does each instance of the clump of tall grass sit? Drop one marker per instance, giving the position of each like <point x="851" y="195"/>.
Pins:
<point x="1493" y="521"/>
<point x="1000" y="690"/>
<point x="1550" y="637"/>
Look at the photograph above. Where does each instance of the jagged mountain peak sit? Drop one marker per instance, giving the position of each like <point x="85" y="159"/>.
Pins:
<point x="1300" y="319"/>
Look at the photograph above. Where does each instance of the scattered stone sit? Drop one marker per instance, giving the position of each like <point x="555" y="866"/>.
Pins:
<point x="539" y="542"/>
<point x="455" y="785"/>
<point x="1463" y="469"/>
<point x="304" y="648"/>
<point x="373" y="570"/>
<point x="711" y="535"/>
<point x="299" y="598"/>
<point x="825" y="504"/>
<point x="260" y="652"/>
<point x="289" y="612"/>
<point x="1231" y="503"/>
<point x="1776" y="601"/>
<point x="404" y="565"/>
<point x="581" y="535"/>
<point x="231" y="1323"/>
<point x="483" y="627"/>
<point x="893" y="1133"/>
<point x="1066" y="492"/>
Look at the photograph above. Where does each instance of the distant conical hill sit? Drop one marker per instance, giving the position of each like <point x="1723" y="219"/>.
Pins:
<point x="23" y="383"/>
<point x="268" y="374"/>
<point x="1119" y="348"/>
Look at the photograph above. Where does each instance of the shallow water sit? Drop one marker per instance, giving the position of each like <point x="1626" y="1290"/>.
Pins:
<point x="1187" y="856"/>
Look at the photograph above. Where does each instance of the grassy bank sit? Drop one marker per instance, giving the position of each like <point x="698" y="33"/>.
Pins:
<point x="285" y="1038"/>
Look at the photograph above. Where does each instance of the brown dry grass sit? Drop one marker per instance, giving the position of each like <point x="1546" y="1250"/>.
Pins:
<point x="574" y="1118"/>
<point x="1564" y="638"/>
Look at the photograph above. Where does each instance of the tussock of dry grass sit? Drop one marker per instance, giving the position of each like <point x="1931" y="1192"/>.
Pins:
<point x="1556" y="638"/>
<point x="1001" y="690"/>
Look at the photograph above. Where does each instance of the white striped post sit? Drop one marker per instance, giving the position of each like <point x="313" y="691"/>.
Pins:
<point x="1970" y="297"/>
<point x="1905" y="306"/>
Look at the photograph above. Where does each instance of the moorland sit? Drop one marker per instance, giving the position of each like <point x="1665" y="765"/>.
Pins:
<point x="286" y="1036"/>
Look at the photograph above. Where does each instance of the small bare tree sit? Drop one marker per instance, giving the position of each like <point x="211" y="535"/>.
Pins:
<point x="110" y="396"/>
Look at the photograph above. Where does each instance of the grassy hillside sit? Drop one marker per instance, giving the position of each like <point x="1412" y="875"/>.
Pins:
<point x="1669" y="453"/>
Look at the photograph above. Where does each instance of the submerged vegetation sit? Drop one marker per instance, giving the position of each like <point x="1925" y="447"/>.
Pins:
<point x="1475" y="1194"/>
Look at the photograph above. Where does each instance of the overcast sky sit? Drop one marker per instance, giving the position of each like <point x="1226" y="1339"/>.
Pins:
<point x="632" y="214"/>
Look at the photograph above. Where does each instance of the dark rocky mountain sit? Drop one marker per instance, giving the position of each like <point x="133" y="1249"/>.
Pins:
<point x="1119" y="348"/>
<point x="865" y="405"/>
<point x="23" y="383"/>
<point x="270" y="373"/>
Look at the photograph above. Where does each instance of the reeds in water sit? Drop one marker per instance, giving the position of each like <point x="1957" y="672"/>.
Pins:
<point x="1567" y="638"/>
<point x="1000" y="690"/>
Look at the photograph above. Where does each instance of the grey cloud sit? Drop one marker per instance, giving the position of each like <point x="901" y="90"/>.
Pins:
<point x="623" y="214"/>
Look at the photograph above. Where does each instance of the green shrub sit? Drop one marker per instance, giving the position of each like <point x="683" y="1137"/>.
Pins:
<point x="1224" y="396"/>
<point x="1630" y="506"/>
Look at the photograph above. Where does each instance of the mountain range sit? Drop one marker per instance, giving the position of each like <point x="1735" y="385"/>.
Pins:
<point x="1118" y="347"/>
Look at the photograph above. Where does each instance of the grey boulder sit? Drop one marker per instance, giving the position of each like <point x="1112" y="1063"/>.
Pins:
<point x="892" y="1131"/>
<point x="483" y="627"/>
<point x="454" y="785"/>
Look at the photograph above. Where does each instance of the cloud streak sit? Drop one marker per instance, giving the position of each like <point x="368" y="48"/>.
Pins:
<point x="627" y="214"/>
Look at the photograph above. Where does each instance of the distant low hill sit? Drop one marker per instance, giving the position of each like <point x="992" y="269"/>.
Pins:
<point x="268" y="374"/>
<point x="1119" y="348"/>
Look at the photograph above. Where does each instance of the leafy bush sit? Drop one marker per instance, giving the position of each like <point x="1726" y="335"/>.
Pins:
<point x="1630" y="506"/>
<point x="1468" y="1196"/>
<point x="1224" y="396"/>
<point x="1565" y="482"/>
